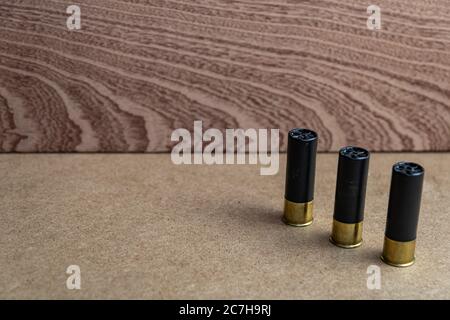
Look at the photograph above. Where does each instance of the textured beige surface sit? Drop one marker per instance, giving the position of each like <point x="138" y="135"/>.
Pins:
<point x="141" y="227"/>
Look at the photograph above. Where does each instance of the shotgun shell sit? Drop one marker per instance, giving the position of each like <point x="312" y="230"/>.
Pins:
<point x="350" y="196"/>
<point x="300" y="175"/>
<point x="403" y="214"/>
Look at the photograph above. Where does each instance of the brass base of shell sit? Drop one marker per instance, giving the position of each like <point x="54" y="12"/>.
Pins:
<point x="398" y="253"/>
<point x="298" y="214"/>
<point x="346" y="235"/>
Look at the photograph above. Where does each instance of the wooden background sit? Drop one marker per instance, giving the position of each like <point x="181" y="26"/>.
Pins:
<point x="140" y="68"/>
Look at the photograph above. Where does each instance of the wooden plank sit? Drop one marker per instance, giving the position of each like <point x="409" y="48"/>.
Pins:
<point x="137" y="70"/>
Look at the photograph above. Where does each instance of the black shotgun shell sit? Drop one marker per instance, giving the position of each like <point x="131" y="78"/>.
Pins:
<point x="300" y="175"/>
<point x="353" y="168"/>
<point x="403" y="214"/>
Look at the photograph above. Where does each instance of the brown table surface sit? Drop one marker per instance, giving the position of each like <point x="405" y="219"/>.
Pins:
<point x="140" y="227"/>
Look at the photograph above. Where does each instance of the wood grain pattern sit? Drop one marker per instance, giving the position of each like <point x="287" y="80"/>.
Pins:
<point x="138" y="69"/>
